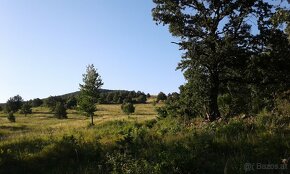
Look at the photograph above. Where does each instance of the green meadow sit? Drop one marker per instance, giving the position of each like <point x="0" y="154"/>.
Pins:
<point x="142" y="143"/>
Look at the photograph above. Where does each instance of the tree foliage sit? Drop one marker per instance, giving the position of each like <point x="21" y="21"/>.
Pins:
<point x="161" y="96"/>
<point x="71" y="102"/>
<point x="51" y="102"/>
<point x="26" y="108"/>
<point x="60" y="110"/>
<point x="119" y="97"/>
<point x="221" y="53"/>
<point x="36" y="102"/>
<point x="128" y="108"/>
<point x="89" y="91"/>
<point x="13" y="104"/>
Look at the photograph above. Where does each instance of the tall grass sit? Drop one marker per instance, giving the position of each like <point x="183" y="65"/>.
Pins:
<point x="40" y="143"/>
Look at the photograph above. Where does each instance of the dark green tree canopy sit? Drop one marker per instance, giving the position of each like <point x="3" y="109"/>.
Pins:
<point x="26" y="108"/>
<point x="36" y="102"/>
<point x="71" y="102"/>
<point x="221" y="42"/>
<point x="128" y="108"/>
<point x="51" y="102"/>
<point x="161" y="96"/>
<point x="60" y="110"/>
<point x="14" y="104"/>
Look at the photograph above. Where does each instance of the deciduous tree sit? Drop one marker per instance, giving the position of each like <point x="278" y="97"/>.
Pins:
<point x="224" y="43"/>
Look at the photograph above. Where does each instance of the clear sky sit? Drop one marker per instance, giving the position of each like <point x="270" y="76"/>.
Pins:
<point x="45" y="46"/>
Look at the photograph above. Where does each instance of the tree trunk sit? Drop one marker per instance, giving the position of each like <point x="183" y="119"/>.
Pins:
<point x="213" y="96"/>
<point x="92" y="119"/>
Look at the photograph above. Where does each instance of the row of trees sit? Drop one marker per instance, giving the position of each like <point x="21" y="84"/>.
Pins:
<point x="119" y="97"/>
<point x="111" y="97"/>
<point x="16" y="103"/>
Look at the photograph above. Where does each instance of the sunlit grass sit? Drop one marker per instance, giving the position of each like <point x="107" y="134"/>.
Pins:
<point x="162" y="144"/>
<point x="43" y="124"/>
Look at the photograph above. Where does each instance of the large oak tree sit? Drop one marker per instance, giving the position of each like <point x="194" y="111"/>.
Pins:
<point x="222" y="42"/>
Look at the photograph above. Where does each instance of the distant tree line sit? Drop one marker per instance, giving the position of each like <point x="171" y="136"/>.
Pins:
<point x="119" y="97"/>
<point x="106" y="97"/>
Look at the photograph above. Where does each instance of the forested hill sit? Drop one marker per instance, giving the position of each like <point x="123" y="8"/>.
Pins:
<point x="77" y="93"/>
<point x="107" y="96"/>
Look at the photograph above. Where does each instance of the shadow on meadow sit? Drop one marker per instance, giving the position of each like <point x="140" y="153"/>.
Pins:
<point x="163" y="146"/>
<point x="14" y="128"/>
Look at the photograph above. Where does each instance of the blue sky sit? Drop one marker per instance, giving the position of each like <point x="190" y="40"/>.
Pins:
<point x="45" y="46"/>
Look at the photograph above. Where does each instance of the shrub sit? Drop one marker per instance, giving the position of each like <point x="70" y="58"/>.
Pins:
<point x="11" y="117"/>
<point x="128" y="108"/>
<point x="60" y="110"/>
<point x="150" y="123"/>
<point x="123" y="163"/>
<point x="26" y="109"/>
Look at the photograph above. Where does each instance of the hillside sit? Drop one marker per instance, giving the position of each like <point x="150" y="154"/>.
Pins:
<point x="76" y="93"/>
<point x="140" y="143"/>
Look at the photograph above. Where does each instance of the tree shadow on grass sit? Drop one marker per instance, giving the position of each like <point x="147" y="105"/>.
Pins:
<point x="15" y="128"/>
<point x="41" y="112"/>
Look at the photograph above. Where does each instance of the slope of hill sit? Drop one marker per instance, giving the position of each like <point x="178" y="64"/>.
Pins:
<point x="77" y="92"/>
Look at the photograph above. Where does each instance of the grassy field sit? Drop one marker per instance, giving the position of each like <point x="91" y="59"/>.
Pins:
<point x="140" y="143"/>
<point x="42" y="123"/>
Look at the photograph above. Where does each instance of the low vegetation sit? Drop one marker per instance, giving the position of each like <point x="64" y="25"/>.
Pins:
<point x="128" y="108"/>
<point x="142" y="143"/>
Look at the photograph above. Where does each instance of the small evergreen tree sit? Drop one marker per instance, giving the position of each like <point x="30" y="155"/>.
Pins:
<point x="89" y="91"/>
<point x="128" y="108"/>
<point x="60" y="110"/>
<point x="51" y="102"/>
